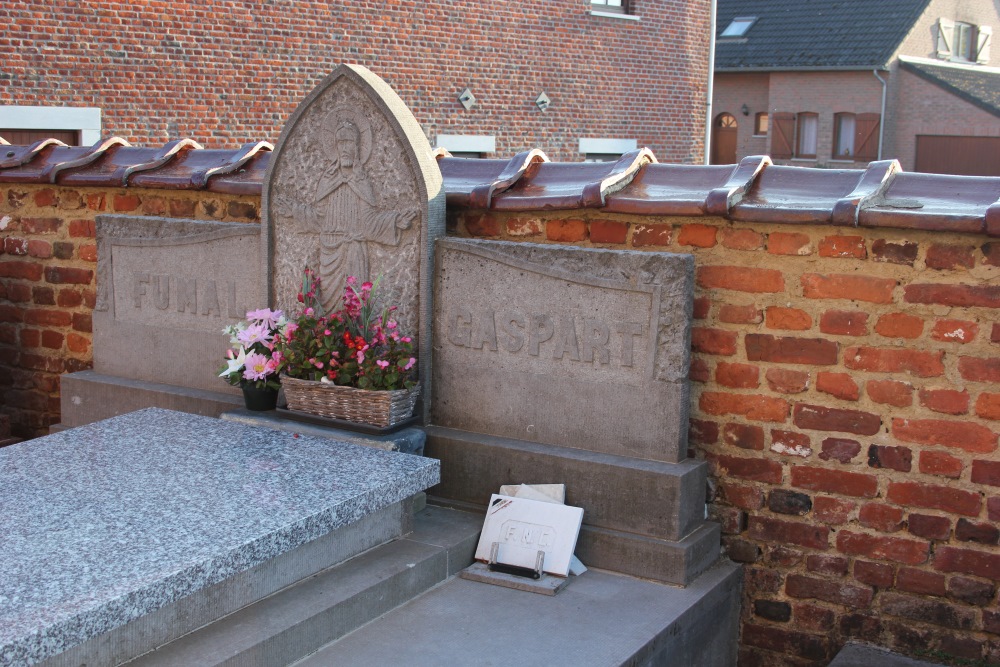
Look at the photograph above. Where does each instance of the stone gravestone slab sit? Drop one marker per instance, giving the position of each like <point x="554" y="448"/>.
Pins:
<point x="166" y="288"/>
<point x="353" y="189"/>
<point x="583" y="348"/>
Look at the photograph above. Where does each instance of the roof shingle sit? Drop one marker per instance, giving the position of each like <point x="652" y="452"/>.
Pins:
<point x="976" y="86"/>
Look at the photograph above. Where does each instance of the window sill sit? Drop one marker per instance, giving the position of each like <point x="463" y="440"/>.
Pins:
<point x="614" y="15"/>
<point x="804" y="159"/>
<point x="843" y="160"/>
<point x="758" y="136"/>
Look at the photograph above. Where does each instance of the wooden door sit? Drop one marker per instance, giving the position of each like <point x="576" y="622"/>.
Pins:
<point x="724" y="139"/>
<point x="965" y="156"/>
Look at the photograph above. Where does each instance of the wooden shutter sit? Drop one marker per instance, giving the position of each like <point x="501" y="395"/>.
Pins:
<point x="945" y="33"/>
<point x="866" y="126"/>
<point x="782" y="135"/>
<point x="984" y="35"/>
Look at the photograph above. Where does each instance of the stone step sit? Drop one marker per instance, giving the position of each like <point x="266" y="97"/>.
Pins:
<point x="643" y="518"/>
<point x="601" y="619"/>
<point x="303" y="617"/>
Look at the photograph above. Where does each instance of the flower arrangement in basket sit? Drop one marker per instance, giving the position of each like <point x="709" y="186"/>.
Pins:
<point x="252" y="363"/>
<point x="353" y="364"/>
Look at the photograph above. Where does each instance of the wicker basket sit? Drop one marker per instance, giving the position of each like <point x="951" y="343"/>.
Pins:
<point x="364" y="406"/>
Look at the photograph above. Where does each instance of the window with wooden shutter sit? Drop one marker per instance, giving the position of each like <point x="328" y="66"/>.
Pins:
<point x="983" y="38"/>
<point x="945" y="30"/>
<point x="782" y="135"/>
<point x="866" y="127"/>
<point x="806" y="135"/>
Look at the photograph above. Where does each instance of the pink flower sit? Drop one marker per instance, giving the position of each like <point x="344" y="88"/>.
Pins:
<point x="361" y="356"/>
<point x="406" y="339"/>
<point x="256" y="367"/>
<point x="409" y="364"/>
<point x="255" y="333"/>
<point x="351" y="280"/>
<point x="326" y="332"/>
<point x="309" y="312"/>
<point x="382" y="364"/>
<point x="265" y="316"/>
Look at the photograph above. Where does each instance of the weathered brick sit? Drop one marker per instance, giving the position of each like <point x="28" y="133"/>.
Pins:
<point x="572" y="231"/>
<point x="21" y="270"/>
<point x="873" y="574"/>
<point x="77" y="344"/>
<point x="936" y="497"/>
<point x="986" y="472"/>
<point x="741" y="551"/>
<point x="784" y="501"/>
<point x="741" y="279"/>
<point x="866" y="627"/>
<point x="991" y="253"/>
<point x="41" y="225"/>
<point x="984" y="564"/>
<point x="954" y="331"/>
<point x="838" y="385"/>
<point x="939" y="463"/>
<point x="973" y="531"/>
<point x="827" y="564"/>
<point x="65" y="274"/>
<point x="751" y="406"/>
<point x="732" y="519"/>
<point x="988" y="406"/>
<point x="47" y="318"/>
<point x="848" y="286"/>
<point x="844" y="323"/>
<point x="525" y="227"/>
<point x="779" y="317"/>
<point x="756" y="470"/>
<point x="740" y="314"/>
<point x="791" y="443"/>
<point x="744" y="436"/>
<point x="702" y="432"/>
<point x="985" y="296"/>
<point x="63" y="249"/>
<point x="840" y="449"/>
<point x="843" y="246"/>
<point x="884" y="518"/>
<point x="782" y="640"/>
<point x="943" y="257"/>
<point x="924" y="582"/>
<point x="125" y="203"/>
<point x="82" y="228"/>
<point x="993" y="508"/>
<point x="971" y="591"/>
<point x="887" y="456"/>
<point x="834" y="481"/>
<point x="793" y="532"/>
<point x="891" y="360"/>
<point x="772" y="610"/>
<point x="968" y="436"/>
<point x="946" y="401"/>
<point x="926" y="611"/>
<point x="697" y="235"/>
<point x="785" y="381"/>
<point x="40" y="249"/>
<point x="487" y="225"/>
<point x="883" y="547"/>
<point x="699" y="371"/>
<point x="897" y="253"/>
<point x="785" y="243"/>
<point x="995" y="334"/>
<point x="831" y="510"/>
<point x="975" y="369"/>
<point x="742" y="496"/>
<point x="789" y="350"/>
<point x="701" y="308"/>
<point x="929" y="526"/>
<point x="738" y="376"/>
<point x="644" y="236"/>
<point x="741" y="239"/>
<point x="822" y="418"/>
<point x="608" y="231"/>
<point x="837" y="592"/>
<point x="713" y="341"/>
<point x="899" y="325"/>
<point x="890" y="392"/>
<point x="784" y="556"/>
<point x="813" y="617"/>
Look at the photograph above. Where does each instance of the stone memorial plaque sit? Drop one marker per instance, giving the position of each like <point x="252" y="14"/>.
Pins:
<point x="165" y="290"/>
<point x="523" y="527"/>
<point x="353" y="189"/>
<point x="583" y="348"/>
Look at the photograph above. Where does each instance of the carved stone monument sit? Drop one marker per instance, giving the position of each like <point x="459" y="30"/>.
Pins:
<point x="353" y="189"/>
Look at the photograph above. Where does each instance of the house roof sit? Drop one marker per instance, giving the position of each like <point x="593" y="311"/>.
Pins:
<point x="975" y="85"/>
<point x="755" y="190"/>
<point x="814" y="34"/>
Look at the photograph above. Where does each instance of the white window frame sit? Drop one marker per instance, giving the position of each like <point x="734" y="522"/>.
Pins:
<point x="467" y="143"/>
<point x="85" y="120"/>
<point x="608" y="9"/>
<point x="606" y="146"/>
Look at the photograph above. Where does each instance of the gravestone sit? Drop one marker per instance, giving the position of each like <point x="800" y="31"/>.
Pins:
<point x="353" y="189"/>
<point x="569" y="365"/>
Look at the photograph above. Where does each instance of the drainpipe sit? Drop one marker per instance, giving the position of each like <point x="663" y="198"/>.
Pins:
<point x="710" y="89"/>
<point x="881" y="120"/>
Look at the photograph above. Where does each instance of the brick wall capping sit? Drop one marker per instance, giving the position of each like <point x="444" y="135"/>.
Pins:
<point x="755" y="190"/>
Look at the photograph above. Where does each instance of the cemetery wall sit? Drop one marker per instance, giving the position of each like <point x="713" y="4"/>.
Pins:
<point x="846" y="393"/>
<point x="48" y="260"/>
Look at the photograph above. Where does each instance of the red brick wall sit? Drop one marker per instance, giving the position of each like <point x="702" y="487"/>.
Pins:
<point x="846" y="393"/>
<point x="219" y="72"/>
<point x="730" y="93"/>
<point x="48" y="258"/>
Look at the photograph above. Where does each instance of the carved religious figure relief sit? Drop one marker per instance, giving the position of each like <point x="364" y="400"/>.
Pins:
<point x="346" y="213"/>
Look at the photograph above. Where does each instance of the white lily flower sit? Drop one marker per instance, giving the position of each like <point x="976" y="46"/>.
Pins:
<point x="234" y="364"/>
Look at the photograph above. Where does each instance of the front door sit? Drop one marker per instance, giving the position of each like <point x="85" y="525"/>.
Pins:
<point x="724" y="139"/>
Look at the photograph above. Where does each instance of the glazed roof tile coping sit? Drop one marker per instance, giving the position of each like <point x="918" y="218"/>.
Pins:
<point x="755" y="190"/>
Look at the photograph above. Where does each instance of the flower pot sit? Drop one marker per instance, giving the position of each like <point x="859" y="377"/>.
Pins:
<point x="382" y="408"/>
<point x="259" y="400"/>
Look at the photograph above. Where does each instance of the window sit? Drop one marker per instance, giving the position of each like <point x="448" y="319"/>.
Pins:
<point x="963" y="42"/>
<point x="738" y="27"/>
<point x="82" y="125"/>
<point x="615" y="6"/>
<point x="806" y="130"/>
<point x="605" y="150"/>
<point x="467" y="145"/>
<point x="843" y="135"/>
<point x="760" y="125"/>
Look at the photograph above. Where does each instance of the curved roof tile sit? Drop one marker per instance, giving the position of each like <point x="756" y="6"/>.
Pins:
<point x="755" y="190"/>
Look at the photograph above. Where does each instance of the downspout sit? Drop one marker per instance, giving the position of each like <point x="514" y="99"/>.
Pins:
<point x="881" y="119"/>
<point x="710" y="89"/>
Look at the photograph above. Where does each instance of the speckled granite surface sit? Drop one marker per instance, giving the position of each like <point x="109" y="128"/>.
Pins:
<point x="104" y="523"/>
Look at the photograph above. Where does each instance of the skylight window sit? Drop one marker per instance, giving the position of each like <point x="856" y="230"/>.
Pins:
<point x="739" y="26"/>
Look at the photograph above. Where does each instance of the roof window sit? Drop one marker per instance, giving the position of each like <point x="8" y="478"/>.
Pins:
<point x="739" y="26"/>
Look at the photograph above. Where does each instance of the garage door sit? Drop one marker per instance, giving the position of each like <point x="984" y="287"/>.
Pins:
<point x="967" y="156"/>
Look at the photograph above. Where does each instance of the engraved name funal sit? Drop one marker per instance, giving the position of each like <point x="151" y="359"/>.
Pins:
<point x="197" y="296"/>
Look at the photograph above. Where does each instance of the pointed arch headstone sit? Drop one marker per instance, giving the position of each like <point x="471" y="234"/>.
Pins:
<point x="353" y="189"/>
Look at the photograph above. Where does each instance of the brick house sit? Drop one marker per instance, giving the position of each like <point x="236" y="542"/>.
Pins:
<point x="578" y="78"/>
<point x="839" y="84"/>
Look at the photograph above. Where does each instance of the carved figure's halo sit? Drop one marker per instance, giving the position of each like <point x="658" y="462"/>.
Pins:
<point x="341" y="114"/>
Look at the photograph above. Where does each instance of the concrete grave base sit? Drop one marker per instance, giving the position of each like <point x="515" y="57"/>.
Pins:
<point x="546" y="585"/>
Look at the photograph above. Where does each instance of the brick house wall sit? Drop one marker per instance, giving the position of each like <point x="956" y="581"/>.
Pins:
<point x="219" y="72"/>
<point x="731" y="92"/>
<point x="922" y="40"/>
